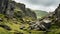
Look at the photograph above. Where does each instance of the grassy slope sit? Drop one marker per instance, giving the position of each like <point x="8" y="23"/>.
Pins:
<point x="16" y="27"/>
<point x="40" y="13"/>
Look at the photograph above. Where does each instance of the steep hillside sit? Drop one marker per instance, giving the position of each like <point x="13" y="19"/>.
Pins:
<point x="11" y="9"/>
<point x="40" y="13"/>
<point x="13" y="16"/>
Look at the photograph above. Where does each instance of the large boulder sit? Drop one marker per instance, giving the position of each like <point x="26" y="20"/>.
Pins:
<point x="45" y="24"/>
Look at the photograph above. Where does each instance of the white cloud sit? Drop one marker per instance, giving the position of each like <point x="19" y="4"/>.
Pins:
<point x="46" y="5"/>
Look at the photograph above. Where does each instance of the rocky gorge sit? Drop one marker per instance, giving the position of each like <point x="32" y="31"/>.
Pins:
<point x="15" y="18"/>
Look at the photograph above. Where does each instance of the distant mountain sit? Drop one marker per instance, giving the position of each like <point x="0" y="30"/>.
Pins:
<point x="40" y="13"/>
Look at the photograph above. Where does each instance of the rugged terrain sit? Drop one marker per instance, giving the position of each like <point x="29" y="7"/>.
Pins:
<point x="15" y="18"/>
<point x="40" y="13"/>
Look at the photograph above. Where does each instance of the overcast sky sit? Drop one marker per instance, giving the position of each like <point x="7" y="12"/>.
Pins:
<point x="45" y="5"/>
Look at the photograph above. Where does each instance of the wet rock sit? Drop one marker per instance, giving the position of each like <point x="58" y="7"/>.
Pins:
<point x="5" y="27"/>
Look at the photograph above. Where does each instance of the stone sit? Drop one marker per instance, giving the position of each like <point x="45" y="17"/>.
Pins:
<point x="57" y="12"/>
<point x="5" y="27"/>
<point x="44" y="25"/>
<point x="3" y="6"/>
<point x="10" y="10"/>
<point x="22" y="27"/>
<point x="1" y="19"/>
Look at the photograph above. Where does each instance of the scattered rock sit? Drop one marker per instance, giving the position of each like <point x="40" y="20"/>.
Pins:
<point x="5" y="27"/>
<point x="22" y="27"/>
<point x="45" y="24"/>
<point x="30" y="23"/>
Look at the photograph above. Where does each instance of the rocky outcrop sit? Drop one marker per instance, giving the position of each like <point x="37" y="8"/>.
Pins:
<point x="23" y="11"/>
<point x="44" y="25"/>
<point x="11" y="9"/>
<point x="7" y="7"/>
<point x="3" y="5"/>
<point x="30" y="13"/>
<point x="57" y="12"/>
<point x="20" y="5"/>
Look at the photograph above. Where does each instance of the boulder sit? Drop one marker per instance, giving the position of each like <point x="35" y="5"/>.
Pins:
<point x="5" y="27"/>
<point x="1" y="19"/>
<point x="45" y="24"/>
<point x="22" y="27"/>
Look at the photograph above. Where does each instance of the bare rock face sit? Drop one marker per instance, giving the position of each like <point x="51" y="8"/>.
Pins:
<point x="10" y="9"/>
<point x="3" y="5"/>
<point x="22" y="6"/>
<point x="57" y="12"/>
<point x="7" y="7"/>
<point x="30" y="13"/>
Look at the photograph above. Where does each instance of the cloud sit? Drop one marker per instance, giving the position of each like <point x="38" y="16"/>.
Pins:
<point x="46" y="5"/>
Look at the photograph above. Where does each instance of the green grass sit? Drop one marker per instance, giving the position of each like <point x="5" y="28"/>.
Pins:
<point x="16" y="27"/>
<point x="40" y="13"/>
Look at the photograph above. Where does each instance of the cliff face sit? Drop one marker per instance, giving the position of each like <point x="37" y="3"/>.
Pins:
<point x="12" y="9"/>
<point x="7" y="7"/>
<point x="57" y="12"/>
<point x="3" y="5"/>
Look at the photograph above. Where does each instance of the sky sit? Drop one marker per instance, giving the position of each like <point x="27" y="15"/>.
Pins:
<point x="45" y="5"/>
